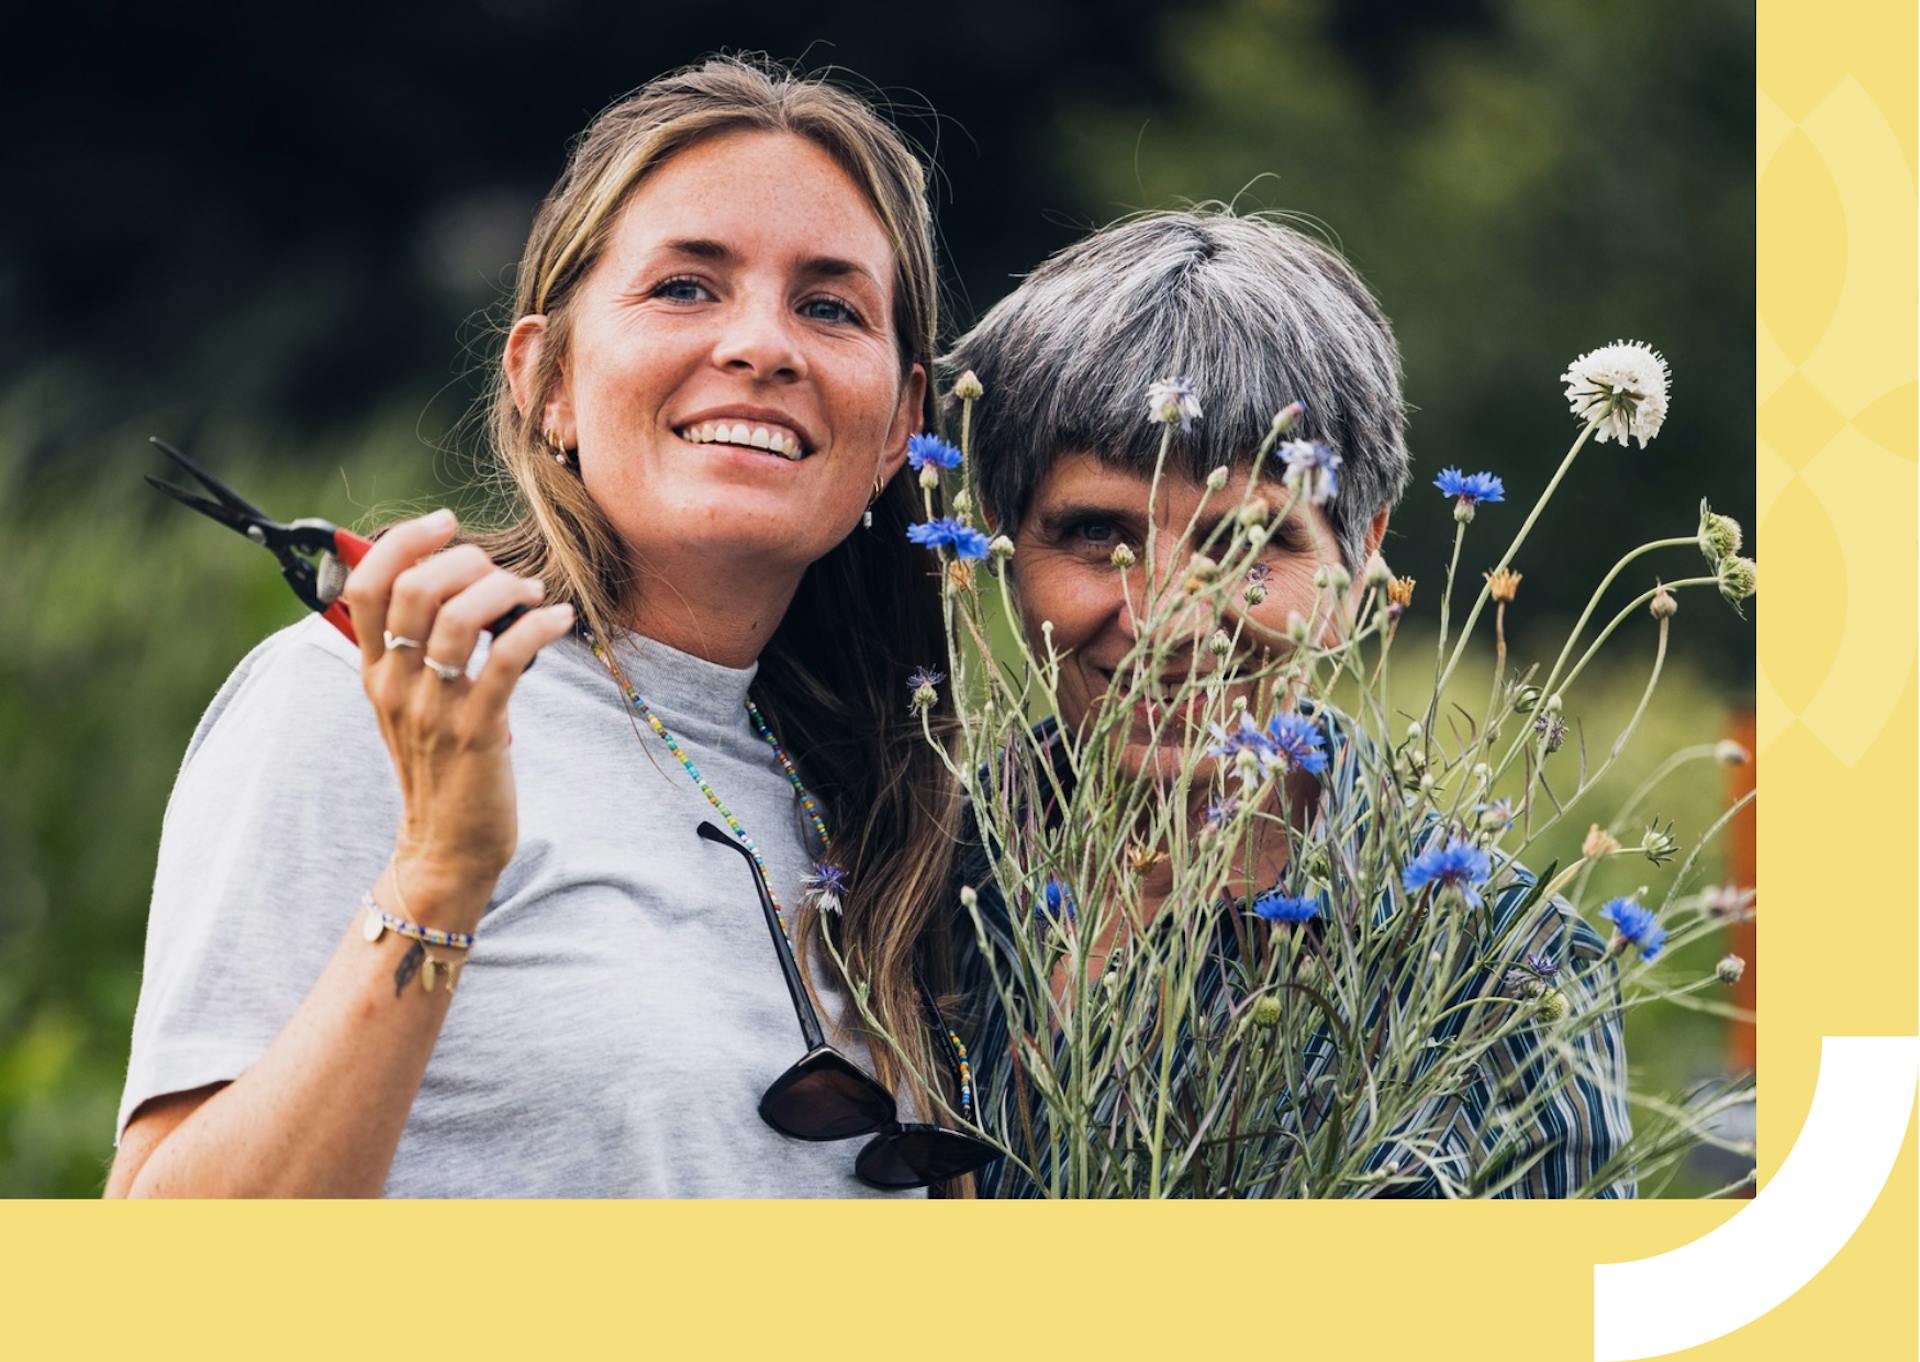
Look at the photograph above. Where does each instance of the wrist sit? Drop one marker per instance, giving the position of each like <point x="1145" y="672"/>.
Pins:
<point x="432" y="896"/>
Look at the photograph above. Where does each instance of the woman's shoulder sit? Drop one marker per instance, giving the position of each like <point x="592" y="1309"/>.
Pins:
<point x="294" y="682"/>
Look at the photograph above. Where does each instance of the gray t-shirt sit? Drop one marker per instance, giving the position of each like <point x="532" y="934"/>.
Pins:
<point x="623" y="1009"/>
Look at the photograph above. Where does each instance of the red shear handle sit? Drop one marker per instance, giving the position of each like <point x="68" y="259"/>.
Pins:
<point x="349" y="548"/>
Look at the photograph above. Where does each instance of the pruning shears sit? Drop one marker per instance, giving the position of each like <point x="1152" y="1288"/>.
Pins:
<point x="315" y="555"/>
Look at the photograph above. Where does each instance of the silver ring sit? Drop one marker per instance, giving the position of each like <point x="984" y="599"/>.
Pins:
<point x="446" y="671"/>
<point x="399" y="641"/>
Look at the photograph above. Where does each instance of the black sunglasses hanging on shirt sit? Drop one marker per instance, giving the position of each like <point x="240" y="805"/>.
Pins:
<point x="826" y="1096"/>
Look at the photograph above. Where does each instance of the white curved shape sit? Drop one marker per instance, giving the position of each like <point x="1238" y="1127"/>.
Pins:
<point x="1789" y="1231"/>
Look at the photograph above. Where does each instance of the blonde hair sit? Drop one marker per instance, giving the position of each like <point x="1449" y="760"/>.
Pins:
<point x="832" y="678"/>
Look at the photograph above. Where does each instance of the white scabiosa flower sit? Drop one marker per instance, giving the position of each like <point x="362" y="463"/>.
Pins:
<point x="1624" y="386"/>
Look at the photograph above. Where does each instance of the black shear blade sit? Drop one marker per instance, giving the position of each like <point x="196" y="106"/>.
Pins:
<point x="231" y="509"/>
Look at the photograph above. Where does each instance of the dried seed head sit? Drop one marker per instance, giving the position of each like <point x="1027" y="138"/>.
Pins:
<point x="1503" y="583"/>
<point x="1400" y="591"/>
<point x="1599" y="843"/>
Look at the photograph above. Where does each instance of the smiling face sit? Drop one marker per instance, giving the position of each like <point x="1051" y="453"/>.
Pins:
<point x="733" y="382"/>
<point x="1063" y="568"/>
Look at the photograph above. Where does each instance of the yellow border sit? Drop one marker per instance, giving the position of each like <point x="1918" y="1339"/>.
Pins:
<point x="1836" y="371"/>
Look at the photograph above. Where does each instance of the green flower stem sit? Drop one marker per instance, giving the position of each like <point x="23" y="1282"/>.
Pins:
<point x="1686" y="866"/>
<point x="1480" y="601"/>
<point x="1600" y="591"/>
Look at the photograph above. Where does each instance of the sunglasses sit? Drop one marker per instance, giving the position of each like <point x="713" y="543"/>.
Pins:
<point x="826" y="1096"/>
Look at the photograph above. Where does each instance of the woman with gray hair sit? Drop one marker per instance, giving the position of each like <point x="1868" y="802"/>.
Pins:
<point x="1256" y="316"/>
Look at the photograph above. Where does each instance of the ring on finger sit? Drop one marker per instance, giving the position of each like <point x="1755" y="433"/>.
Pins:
<point x="394" y="640"/>
<point x="446" y="671"/>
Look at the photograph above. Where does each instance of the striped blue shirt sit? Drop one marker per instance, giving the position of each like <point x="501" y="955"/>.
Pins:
<point x="1535" y="1120"/>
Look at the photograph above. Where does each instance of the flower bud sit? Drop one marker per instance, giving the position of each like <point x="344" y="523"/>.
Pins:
<point x="1311" y="973"/>
<point x="1730" y="753"/>
<point x="929" y="478"/>
<point x="1332" y="577"/>
<point x="968" y="897"/>
<point x="1255" y="512"/>
<point x="1201" y="572"/>
<point x="1266" y="1011"/>
<point x="1739" y="579"/>
<point x="1220" y="645"/>
<point x="1527" y="700"/>
<point x="1378" y="576"/>
<point x="1247" y="762"/>
<point x="1296" y="628"/>
<point x="1001" y="547"/>
<point x="1480" y="774"/>
<point x="1599" y="843"/>
<point x="1729" y="970"/>
<point x="967" y="388"/>
<point x="1284" y="418"/>
<point x="1554" y="703"/>
<point x="1254" y="594"/>
<point x="1554" y="1005"/>
<point x="1720" y="536"/>
<point x="1256" y="537"/>
<point x="962" y="502"/>
<point x="1659" y="844"/>
<point x="1046" y="631"/>
<point x="1217" y="479"/>
<point x="1122" y="556"/>
<point x="1415" y="732"/>
<point x="1663" y="606"/>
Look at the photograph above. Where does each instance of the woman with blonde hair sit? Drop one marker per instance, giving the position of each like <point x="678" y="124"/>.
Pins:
<point x="724" y="323"/>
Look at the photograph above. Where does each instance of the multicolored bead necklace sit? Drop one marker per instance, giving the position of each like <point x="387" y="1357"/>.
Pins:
<point x="806" y="802"/>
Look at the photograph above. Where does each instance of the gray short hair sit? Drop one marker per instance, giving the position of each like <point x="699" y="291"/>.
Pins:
<point x="1257" y="313"/>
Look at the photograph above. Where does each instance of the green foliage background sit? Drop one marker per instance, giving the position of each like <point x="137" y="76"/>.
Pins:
<point x="1519" y="180"/>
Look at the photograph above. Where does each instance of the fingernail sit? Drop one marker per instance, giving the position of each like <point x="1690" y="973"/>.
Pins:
<point x="441" y="518"/>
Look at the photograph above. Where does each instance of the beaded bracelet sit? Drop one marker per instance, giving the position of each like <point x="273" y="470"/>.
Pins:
<point x="379" y="920"/>
<point x="432" y="968"/>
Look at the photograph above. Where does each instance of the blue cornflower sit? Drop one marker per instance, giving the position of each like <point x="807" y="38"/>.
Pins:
<point x="1298" y="741"/>
<point x="1055" y="901"/>
<point x="824" y="886"/>
<point x="925" y="676"/>
<point x="1471" y="487"/>
<point x="1221" y="812"/>
<point x="1275" y="906"/>
<point x="948" y="533"/>
<point x="1542" y="966"/>
<point x="1244" y="737"/>
<point x="931" y="449"/>
<point x="1635" y="925"/>
<point x="1457" y="865"/>
<point x="1171" y="400"/>
<point x="1312" y="470"/>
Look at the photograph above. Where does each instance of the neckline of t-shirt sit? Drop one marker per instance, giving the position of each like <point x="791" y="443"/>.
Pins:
<point x="677" y="685"/>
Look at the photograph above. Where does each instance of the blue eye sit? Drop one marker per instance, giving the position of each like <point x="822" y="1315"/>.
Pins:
<point x="1095" y="531"/>
<point x="683" y="289"/>
<point x="837" y="311"/>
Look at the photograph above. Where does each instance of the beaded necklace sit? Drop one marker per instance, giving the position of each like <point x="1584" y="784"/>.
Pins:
<point x="806" y="802"/>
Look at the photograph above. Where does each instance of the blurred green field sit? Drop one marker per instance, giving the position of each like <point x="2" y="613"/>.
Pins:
<point x="123" y="613"/>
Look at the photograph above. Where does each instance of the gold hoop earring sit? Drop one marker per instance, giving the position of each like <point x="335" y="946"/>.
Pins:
<point x="867" y="519"/>
<point x="558" y="446"/>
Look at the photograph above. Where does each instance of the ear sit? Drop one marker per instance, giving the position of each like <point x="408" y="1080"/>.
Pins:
<point x="1377" y="532"/>
<point x="525" y="344"/>
<point x="906" y="423"/>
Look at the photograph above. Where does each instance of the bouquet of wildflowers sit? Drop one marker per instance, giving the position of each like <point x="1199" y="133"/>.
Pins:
<point x="1301" y="950"/>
